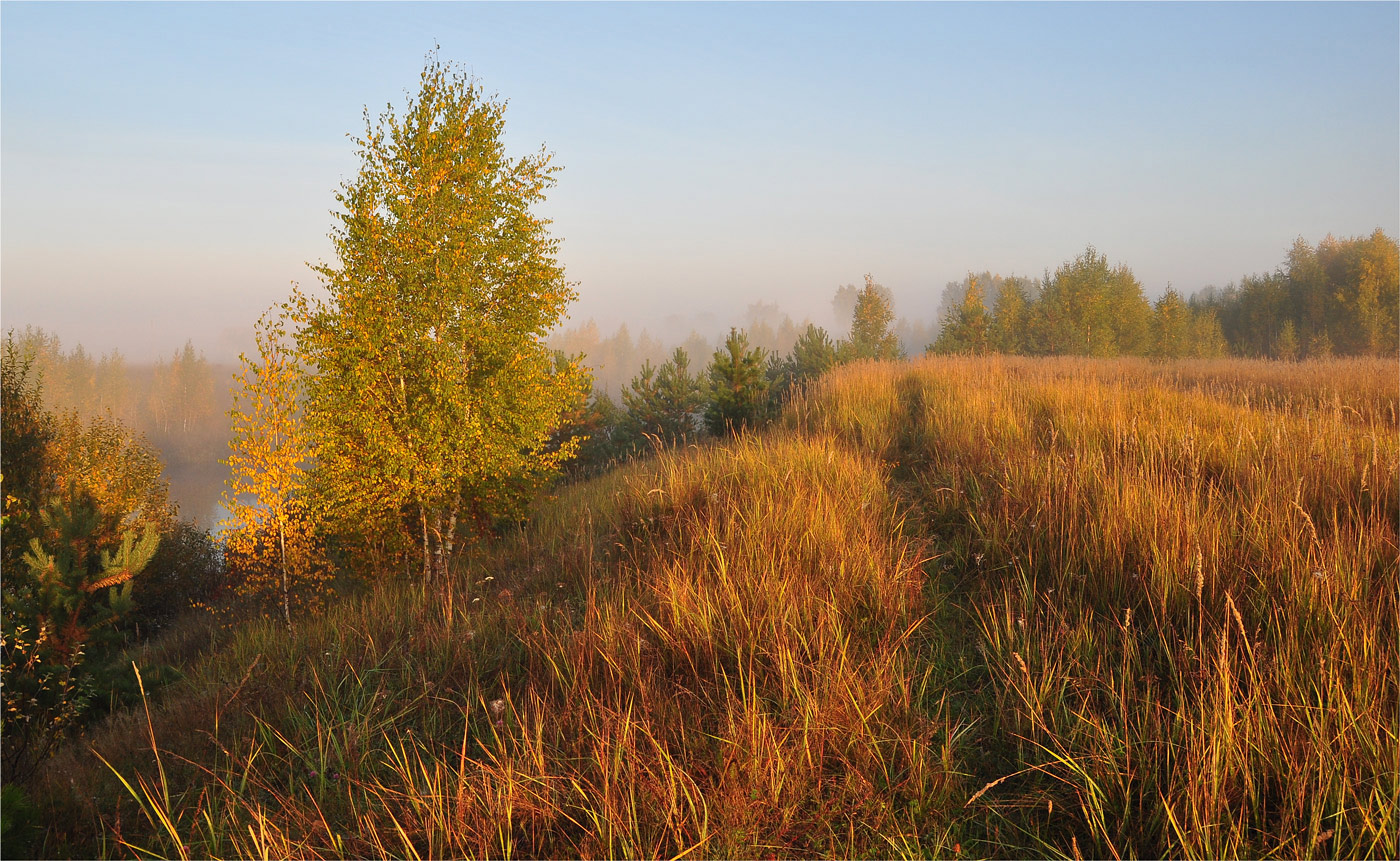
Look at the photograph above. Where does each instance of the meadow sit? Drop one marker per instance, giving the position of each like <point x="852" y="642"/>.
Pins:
<point x="954" y="607"/>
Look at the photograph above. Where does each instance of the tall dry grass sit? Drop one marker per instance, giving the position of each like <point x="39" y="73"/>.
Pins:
<point x="1184" y="580"/>
<point x="990" y="607"/>
<point x="710" y="653"/>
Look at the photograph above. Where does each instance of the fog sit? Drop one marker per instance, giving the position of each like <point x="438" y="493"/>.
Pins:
<point x="170" y="169"/>
<point x="179" y="399"/>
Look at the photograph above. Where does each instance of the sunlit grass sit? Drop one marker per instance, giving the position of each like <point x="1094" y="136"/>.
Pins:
<point x="1184" y="578"/>
<point x="990" y="607"/>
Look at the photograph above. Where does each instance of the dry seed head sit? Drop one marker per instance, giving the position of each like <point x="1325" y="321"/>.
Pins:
<point x="1022" y="662"/>
<point x="1235" y="610"/>
<point x="1200" y="574"/>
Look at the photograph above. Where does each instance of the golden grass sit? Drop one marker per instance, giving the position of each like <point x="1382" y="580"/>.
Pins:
<point x="1185" y="584"/>
<point x="959" y="606"/>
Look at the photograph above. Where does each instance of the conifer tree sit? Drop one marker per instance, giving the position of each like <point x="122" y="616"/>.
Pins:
<point x="812" y="355"/>
<point x="598" y="429"/>
<point x="738" y="386"/>
<point x="58" y="631"/>
<point x="661" y="402"/>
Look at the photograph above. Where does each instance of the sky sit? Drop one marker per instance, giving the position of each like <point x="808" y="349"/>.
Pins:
<point x="167" y="171"/>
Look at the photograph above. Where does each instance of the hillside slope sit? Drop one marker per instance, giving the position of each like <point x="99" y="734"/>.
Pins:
<point x="987" y="607"/>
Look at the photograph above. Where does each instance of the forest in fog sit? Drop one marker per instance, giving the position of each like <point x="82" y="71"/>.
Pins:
<point x="179" y="404"/>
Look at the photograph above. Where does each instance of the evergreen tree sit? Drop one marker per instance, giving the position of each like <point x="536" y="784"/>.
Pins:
<point x="661" y="402"/>
<point x="598" y="429"/>
<point x="813" y="354"/>
<point x="738" y="386"/>
<point x="59" y="631"/>
<point x="682" y="397"/>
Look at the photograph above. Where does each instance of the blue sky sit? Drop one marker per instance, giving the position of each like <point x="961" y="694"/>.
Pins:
<point x="166" y="170"/>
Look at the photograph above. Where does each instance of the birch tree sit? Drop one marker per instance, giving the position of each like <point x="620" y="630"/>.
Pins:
<point x="270" y="539"/>
<point x="433" y="396"/>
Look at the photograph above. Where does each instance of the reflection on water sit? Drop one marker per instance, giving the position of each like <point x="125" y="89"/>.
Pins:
<point x="197" y="490"/>
<point x="220" y="514"/>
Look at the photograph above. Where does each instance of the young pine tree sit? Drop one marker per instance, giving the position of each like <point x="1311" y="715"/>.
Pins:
<point x="738" y="386"/>
<point x="680" y="398"/>
<point x="58" y="632"/>
<point x="812" y="355"/>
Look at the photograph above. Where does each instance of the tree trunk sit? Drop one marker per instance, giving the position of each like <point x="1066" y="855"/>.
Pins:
<point x="450" y="539"/>
<point x="286" y="592"/>
<point x="439" y="559"/>
<point x="427" y="554"/>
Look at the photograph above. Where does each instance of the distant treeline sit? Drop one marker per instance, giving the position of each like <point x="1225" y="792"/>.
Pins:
<point x="180" y="405"/>
<point x="1338" y="298"/>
